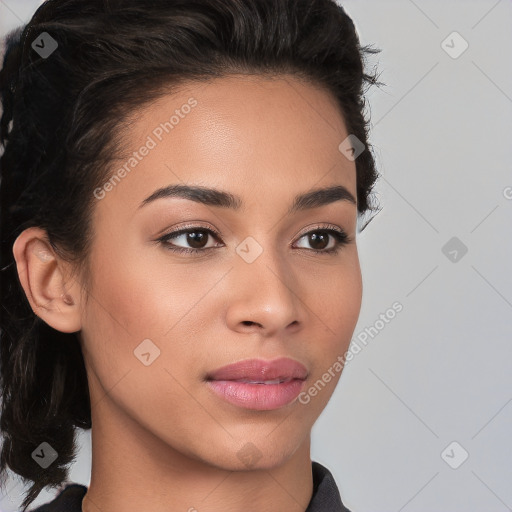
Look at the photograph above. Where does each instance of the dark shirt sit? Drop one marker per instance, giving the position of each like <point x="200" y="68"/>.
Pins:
<point x="326" y="496"/>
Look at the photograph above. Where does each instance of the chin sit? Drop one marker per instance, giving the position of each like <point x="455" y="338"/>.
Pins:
<point x="259" y="454"/>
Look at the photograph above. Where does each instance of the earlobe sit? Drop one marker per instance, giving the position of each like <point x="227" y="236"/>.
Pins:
<point x="43" y="278"/>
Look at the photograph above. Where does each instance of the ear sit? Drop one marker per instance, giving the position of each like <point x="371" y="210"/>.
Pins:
<point x="43" y="275"/>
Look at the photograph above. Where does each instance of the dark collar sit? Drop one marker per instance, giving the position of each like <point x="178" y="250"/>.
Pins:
<point x="326" y="496"/>
<point x="68" y="500"/>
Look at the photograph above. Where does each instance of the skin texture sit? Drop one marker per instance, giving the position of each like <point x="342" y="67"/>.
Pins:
<point x="161" y="440"/>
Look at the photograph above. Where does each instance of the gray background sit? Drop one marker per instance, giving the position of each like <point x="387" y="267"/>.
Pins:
<point x="439" y="372"/>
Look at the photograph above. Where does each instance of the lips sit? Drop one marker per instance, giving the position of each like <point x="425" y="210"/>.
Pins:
<point x="258" y="384"/>
<point x="260" y="371"/>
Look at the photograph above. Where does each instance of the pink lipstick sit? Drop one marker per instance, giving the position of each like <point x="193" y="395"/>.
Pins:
<point x="258" y="384"/>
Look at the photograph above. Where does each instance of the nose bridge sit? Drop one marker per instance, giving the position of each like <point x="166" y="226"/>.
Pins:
<point x="262" y="259"/>
<point x="265" y="284"/>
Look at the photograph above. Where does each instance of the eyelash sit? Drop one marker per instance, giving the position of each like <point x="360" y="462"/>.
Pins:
<point x="340" y="236"/>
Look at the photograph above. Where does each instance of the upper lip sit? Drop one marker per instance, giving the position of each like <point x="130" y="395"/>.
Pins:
<point x="261" y="370"/>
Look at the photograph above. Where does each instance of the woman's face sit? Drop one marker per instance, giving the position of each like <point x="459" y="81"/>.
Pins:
<point x="262" y="284"/>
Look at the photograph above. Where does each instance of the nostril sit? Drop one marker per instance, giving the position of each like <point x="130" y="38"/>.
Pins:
<point x="250" y="323"/>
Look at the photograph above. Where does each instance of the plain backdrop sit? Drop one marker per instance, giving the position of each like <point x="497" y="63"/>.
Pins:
<point x="422" y="416"/>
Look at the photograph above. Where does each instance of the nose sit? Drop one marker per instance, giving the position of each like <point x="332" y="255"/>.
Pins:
<point x="265" y="296"/>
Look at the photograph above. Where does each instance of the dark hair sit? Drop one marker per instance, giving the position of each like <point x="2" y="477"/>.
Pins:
<point x="61" y="127"/>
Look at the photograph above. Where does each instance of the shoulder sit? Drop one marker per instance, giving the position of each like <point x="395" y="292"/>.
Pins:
<point x="69" y="499"/>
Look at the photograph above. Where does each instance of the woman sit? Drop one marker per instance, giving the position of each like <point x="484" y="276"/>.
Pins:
<point x="181" y="185"/>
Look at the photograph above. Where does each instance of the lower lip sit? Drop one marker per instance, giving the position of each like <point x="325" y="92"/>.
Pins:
<point x="260" y="397"/>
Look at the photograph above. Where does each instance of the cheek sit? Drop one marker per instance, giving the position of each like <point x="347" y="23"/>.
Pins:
<point x="337" y="311"/>
<point x="349" y="301"/>
<point x="141" y="296"/>
<point x="138" y="295"/>
<point x="335" y="303"/>
<point x="132" y="300"/>
<point x="334" y="298"/>
<point x="122" y="310"/>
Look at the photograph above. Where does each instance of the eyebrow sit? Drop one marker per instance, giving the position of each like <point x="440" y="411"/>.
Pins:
<point x="219" y="198"/>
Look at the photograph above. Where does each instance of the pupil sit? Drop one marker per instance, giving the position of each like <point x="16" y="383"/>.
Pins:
<point x="315" y="237"/>
<point x="195" y="239"/>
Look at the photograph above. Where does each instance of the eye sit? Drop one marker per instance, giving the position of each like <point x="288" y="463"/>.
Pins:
<point x="196" y="237"/>
<point x="326" y="240"/>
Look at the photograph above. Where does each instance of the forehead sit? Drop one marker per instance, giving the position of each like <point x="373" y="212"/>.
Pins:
<point x="246" y="134"/>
